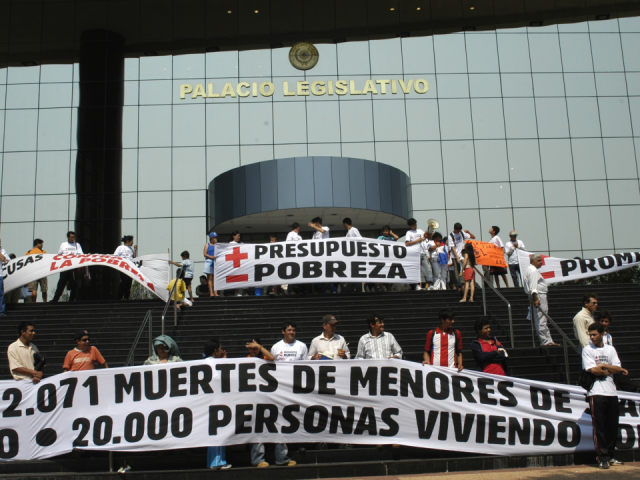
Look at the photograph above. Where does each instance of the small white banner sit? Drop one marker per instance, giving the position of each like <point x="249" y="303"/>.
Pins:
<point x="247" y="400"/>
<point x="555" y="270"/>
<point x="151" y="271"/>
<point x="335" y="260"/>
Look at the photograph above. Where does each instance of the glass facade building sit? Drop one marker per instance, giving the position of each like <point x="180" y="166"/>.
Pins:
<point x="532" y="128"/>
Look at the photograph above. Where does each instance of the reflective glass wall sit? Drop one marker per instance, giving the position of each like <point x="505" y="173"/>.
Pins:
<point x="531" y="128"/>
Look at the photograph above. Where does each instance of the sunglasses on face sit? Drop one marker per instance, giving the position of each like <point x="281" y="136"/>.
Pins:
<point x="84" y="340"/>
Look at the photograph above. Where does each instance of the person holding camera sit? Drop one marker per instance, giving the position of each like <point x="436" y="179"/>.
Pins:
<point x="25" y="361"/>
<point x="489" y="353"/>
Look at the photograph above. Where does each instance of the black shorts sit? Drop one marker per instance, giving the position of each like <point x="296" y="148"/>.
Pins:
<point x="187" y="281"/>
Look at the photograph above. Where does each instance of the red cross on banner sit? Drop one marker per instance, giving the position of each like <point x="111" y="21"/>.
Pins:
<point x="236" y="257"/>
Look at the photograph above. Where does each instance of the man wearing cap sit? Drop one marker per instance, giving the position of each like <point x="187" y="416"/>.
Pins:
<point x="511" y="248"/>
<point x="84" y="356"/>
<point x="329" y="344"/>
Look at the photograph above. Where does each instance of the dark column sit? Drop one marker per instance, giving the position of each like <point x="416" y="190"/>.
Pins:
<point x="99" y="162"/>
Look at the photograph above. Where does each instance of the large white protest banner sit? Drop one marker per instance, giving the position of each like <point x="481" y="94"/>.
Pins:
<point x="151" y="271"/>
<point x="235" y="401"/>
<point x="555" y="270"/>
<point x="335" y="260"/>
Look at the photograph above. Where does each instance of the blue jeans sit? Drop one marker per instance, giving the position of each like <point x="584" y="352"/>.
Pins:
<point x="216" y="456"/>
<point x="2" y="302"/>
<point x="257" y="453"/>
<point x="514" y="270"/>
<point x="425" y="269"/>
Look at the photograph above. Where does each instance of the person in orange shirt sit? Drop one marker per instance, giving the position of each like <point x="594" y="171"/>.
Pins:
<point x="38" y="249"/>
<point x="83" y="357"/>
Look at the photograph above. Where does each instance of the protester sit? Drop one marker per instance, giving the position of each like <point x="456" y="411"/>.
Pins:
<point x="352" y="232"/>
<point x="378" y="344"/>
<point x="417" y="240"/>
<point x="536" y="288"/>
<point x="210" y="258"/>
<point x="439" y="253"/>
<point x="468" y="267"/>
<point x="21" y="354"/>
<point x="604" y="318"/>
<point x="128" y="251"/>
<point x="498" y="271"/>
<point x="444" y="344"/>
<point x="179" y="296"/>
<point x="329" y="344"/>
<point x="72" y="279"/>
<point x="320" y="231"/>
<point x="187" y="268"/>
<point x="294" y="234"/>
<point x="257" y="350"/>
<point x="4" y="258"/>
<point x="166" y="351"/>
<point x="456" y="241"/>
<point x="511" y="248"/>
<point x="202" y="290"/>
<point x="38" y="249"/>
<point x="83" y="357"/>
<point x="584" y="318"/>
<point x="490" y="355"/>
<point x="14" y="295"/>
<point x="216" y="456"/>
<point x="387" y="234"/>
<point x="602" y="361"/>
<point x="289" y="349"/>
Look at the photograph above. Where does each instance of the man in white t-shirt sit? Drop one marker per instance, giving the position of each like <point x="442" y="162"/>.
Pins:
<point x="320" y="231"/>
<point x="536" y="288"/>
<point x="289" y="349"/>
<point x="456" y="241"/>
<point x="416" y="240"/>
<point x="511" y="249"/>
<point x="498" y="271"/>
<point x="602" y="361"/>
<point x="72" y="278"/>
<point x="294" y="234"/>
<point x="352" y="232"/>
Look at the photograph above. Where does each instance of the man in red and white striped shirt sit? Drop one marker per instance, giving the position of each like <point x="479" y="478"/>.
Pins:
<point x="444" y="344"/>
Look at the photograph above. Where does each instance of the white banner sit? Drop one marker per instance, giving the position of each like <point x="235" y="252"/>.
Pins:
<point x="235" y="401"/>
<point x="335" y="260"/>
<point x="555" y="270"/>
<point x="152" y="271"/>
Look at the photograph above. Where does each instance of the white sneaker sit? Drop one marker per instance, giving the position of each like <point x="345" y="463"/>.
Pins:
<point x="418" y="288"/>
<point x="238" y="294"/>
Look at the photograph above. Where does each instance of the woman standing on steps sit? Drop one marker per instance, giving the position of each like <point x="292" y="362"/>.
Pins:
<point x="469" y="273"/>
<point x="128" y="251"/>
<point x="210" y="258"/>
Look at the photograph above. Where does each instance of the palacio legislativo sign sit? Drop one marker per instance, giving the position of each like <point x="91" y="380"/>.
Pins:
<point x="304" y="88"/>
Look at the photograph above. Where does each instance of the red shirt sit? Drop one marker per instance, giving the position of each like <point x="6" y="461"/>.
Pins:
<point x="495" y="368"/>
<point x="443" y="347"/>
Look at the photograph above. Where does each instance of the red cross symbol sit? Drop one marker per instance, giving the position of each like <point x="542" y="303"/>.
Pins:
<point x="236" y="257"/>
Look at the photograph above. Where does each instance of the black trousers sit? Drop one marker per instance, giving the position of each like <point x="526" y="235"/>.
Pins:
<point x="124" y="289"/>
<point x="513" y="270"/>
<point x="604" y="417"/>
<point x="69" y="280"/>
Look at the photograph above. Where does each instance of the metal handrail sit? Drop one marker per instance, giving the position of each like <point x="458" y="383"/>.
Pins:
<point x="175" y="305"/>
<point x="147" y="318"/>
<point x="484" y="304"/>
<point x="567" y="341"/>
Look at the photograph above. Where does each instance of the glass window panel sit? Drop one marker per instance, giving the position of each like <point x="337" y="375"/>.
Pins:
<point x="279" y="95"/>
<point x="531" y="225"/>
<point x="624" y="192"/>
<point x="485" y="85"/>
<point x="189" y="169"/>
<point x="18" y="237"/>
<point x="14" y="181"/>
<point x="561" y="221"/>
<point x="552" y="117"/>
<point x="256" y="123"/>
<point x="323" y="121"/>
<point x="55" y="95"/>
<point x="131" y="68"/>
<point x="431" y="93"/>
<point x="129" y="169"/>
<point x="520" y="118"/>
<point x="491" y="160"/>
<point x="524" y="160"/>
<point x="588" y="158"/>
<point x="50" y="207"/>
<point x="459" y="163"/>
<point x="317" y="98"/>
<point x="629" y="24"/>
<point x="470" y="219"/>
<point x="625" y="232"/>
<point x="152" y="68"/>
<point x="221" y="159"/>
<point x="619" y="154"/>
<point x="155" y="235"/>
<point x="394" y="154"/>
<point x="131" y="93"/>
<point x="431" y="196"/>
<point x="75" y="96"/>
<point x="129" y="126"/>
<point x="154" y="204"/>
<point x="634" y="106"/>
<point x="324" y="150"/>
<point x="154" y="169"/>
<point x="589" y="217"/>
<point x="548" y="84"/>
<point x="130" y="205"/>
<point x="559" y="194"/>
<point x="56" y="73"/>
<point x="3" y="97"/>
<point x="527" y="194"/>
<point x="455" y="119"/>
<point x="610" y="25"/>
<point x="579" y="84"/>
<point x="450" y="53"/>
<point x="188" y="125"/>
<point x="53" y="233"/>
<point x="188" y="100"/>
<point x="494" y="195"/>
<point x="517" y="85"/>
<point x="187" y="234"/>
<point x="611" y="84"/>
<point x="482" y="53"/>
<point x="290" y="124"/>
<point x="390" y="120"/>
<point x="545" y="53"/>
<point x="188" y="66"/>
<point x="425" y="162"/>
<point x="255" y="153"/>
<point x="365" y="150"/>
<point x="155" y="126"/>
<point x="422" y="120"/>
<point x="500" y="217"/>
<point x="356" y="121"/>
<point x="23" y="74"/>
<point x="52" y="172"/>
<point x="190" y="203"/>
<point x="327" y="62"/>
<point x="594" y="192"/>
<point x="158" y="92"/>
<point x="488" y="121"/>
<point x="353" y="58"/>
<point x="461" y="195"/>
<point x="630" y="48"/>
<point x="453" y="86"/>
<point x="555" y="156"/>
<point x="386" y="56"/>
<point x="417" y="55"/>
<point x="18" y="209"/>
<point x="21" y="128"/>
<point x="54" y="125"/>
<point x="614" y="116"/>
<point x="290" y="151"/>
<point x="255" y="63"/>
<point x="633" y="83"/>
<point x="72" y="168"/>
<point x="222" y="64"/>
<point x="583" y="117"/>
<point x="223" y="124"/>
<point x="513" y="50"/>
<point x="576" y="52"/>
<point x="607" y="52"/>
<point x="280" y="64"/>
<point x="22" y="96"/>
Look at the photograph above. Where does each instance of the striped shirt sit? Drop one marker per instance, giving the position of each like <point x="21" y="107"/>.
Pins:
<point x="443" y="347"/>
<point x="381" y="347"/>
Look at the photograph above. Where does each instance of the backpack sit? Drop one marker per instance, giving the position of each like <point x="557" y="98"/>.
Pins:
<point x="443" y="257"/>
